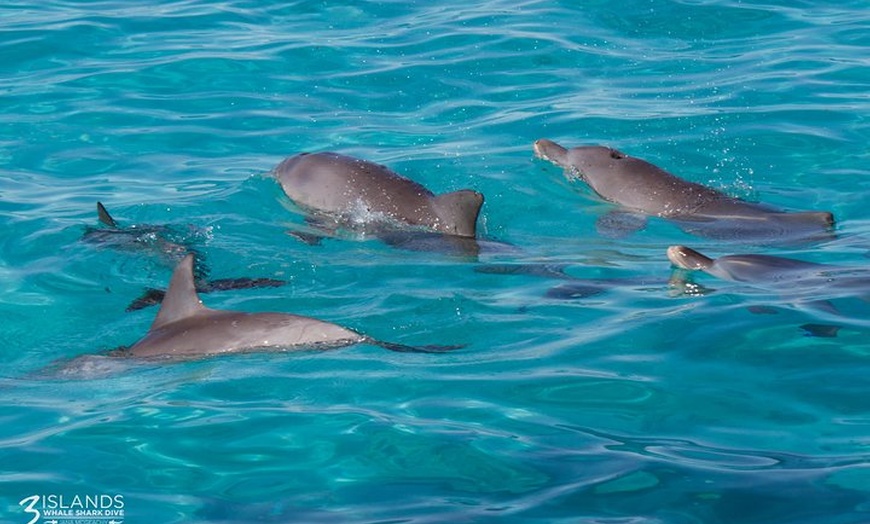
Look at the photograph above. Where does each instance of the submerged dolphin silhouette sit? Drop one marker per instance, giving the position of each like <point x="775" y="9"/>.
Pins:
<point x="166" y="245"/>
<point x="641" y="187"/>
<point x="360" y="195"/>
<point x="185" y="328"/>
<point x="162" y="242"/>
<point x="573" y="287"/>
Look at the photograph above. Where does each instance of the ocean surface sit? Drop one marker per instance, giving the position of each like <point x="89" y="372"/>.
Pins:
<point x="736" y="403"/>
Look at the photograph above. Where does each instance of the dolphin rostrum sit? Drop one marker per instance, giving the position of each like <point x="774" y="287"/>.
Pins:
<point x="358" y="194"/>
<point x="645" y="189"/>
<point x="185" y="328"/>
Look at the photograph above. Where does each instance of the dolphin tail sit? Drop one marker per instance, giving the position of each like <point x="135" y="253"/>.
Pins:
<point x="153" y="296"/>
<point x="104" y="216"/>
<point x="687" y="258"/>
<point x="458" y="212"/>
<point x="150" y="297"/>
<point x="823" y="218"/>
<point x="226" y="284"/>
<point x="310" y="239"/>
<point x="402" y="348"/>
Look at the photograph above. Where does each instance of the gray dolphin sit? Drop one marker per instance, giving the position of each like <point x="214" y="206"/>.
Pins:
<point x="357" y="193"/>
<point x="169" y="247"/>
<point x="185" y="328"/>
<point x="773" y="271"/>
<point x="164" y="243"/>
<point x="641" y="187"/>
<point x="803" y="282"/>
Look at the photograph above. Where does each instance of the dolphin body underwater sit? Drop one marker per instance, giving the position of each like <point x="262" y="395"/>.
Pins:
<point x="162" y="242"/>
<point x="169" y="247"/>
<point x="339" y="192"/>
<point x="644" y="189"/>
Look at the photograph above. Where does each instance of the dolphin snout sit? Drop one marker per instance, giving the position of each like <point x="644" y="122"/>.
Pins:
<point x="687" y="258"/>
<point x="539" y="149"/>
<point x="549" y="150"/>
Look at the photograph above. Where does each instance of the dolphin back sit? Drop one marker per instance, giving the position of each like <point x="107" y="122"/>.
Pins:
<point x="824" y="219"/>
<point x="345" y="186"/>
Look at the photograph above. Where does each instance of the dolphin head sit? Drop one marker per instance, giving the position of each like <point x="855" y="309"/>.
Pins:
<point x="687" y="258"/>
<point x="629" y="181"/>
<point x="593" y="164"/>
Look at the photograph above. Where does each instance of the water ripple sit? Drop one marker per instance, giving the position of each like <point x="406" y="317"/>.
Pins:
<point x="630" y="405"/>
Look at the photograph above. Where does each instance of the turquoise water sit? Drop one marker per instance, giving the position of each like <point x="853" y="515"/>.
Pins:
<point x="634" y="405"/>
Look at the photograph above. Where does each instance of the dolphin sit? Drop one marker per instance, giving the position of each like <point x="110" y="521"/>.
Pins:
<point x="773" y="271"/>
<point x="806" y="282"/>
<point x="168" y="247"/>
<point x="360" y="195"/>
<point x="644" y="189"/>
<point x="184" y="328"/>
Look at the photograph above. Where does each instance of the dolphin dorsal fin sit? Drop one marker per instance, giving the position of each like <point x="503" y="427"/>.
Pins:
<point x="458" y="211"/>
<point x="104" y="215"/>
<point x="181" y="300"/>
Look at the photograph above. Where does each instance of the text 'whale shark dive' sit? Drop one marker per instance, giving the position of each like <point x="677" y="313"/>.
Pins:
<point x="169" y="248"/>
<point x="341" y="192"/>
<point x="184" y="328"/>
<point x="644" y="189"/>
